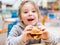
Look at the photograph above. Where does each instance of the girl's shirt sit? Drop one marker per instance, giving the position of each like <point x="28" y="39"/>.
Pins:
<point x="15" y="36"/>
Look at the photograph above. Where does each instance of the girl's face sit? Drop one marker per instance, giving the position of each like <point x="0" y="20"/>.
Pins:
<point x="29" y="14"/>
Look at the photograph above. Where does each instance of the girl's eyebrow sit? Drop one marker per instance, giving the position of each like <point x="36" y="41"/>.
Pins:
<point x="33" y="9"/>
<point x="26" y="9"/>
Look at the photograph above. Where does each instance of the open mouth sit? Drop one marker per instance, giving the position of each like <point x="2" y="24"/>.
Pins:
<point x="30" y="19"/>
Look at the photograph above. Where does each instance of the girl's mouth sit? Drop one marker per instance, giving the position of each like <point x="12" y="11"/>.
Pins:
<point x="30" y="19"/>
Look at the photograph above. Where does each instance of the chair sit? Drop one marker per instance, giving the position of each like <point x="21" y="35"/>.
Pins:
<point x="14" y="14"/>
<point x="10" y="26"/>
<point x="51" y="16"/>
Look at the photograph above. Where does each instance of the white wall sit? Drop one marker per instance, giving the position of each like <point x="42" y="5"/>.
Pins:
<point x="1" y="22"/>
<point x="8" y="1"/>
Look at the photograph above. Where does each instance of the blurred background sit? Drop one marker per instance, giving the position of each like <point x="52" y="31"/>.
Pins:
<point x="50" y="16"/>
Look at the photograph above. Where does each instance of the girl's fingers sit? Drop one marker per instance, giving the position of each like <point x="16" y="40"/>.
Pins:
<point x="41" y="28"/>
<point x="28" y="28"/>
<point x="45" y="35"/>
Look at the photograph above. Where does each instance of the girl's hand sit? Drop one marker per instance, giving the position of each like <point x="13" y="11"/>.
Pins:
<point x="45" y="34"/>
<point x="26" y="32"/>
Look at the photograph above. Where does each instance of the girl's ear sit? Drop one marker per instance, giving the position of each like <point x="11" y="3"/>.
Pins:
<point x="20" y="18"/>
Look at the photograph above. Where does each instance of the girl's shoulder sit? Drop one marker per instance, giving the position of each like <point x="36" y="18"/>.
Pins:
<point x="19" y="25"/>
<point x="16" y="29"/>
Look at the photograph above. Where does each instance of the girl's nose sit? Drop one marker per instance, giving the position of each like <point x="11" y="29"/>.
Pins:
<point x="30" y="13"/>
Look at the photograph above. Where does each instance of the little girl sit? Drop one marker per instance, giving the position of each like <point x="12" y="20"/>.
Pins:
<point x="29" y="16"/>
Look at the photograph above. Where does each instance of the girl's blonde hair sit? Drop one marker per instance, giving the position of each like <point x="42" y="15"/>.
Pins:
<point x="22" y="4"/>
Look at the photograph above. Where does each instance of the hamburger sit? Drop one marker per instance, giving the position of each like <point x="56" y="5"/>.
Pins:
<point x="35" y="33"/>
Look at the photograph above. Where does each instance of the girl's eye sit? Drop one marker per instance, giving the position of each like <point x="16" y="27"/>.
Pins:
<point x="33" y="11"/>
<point x="25" y="12"/>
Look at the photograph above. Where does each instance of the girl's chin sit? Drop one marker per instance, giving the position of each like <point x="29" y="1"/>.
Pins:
<point x="32" y="23"/>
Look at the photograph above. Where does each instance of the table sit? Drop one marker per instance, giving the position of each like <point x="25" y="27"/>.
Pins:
<point x="58" y="44"/>
<point x="10" y="19"/>
<point x="38" y="44"/>
<point x="43" y="44"/>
